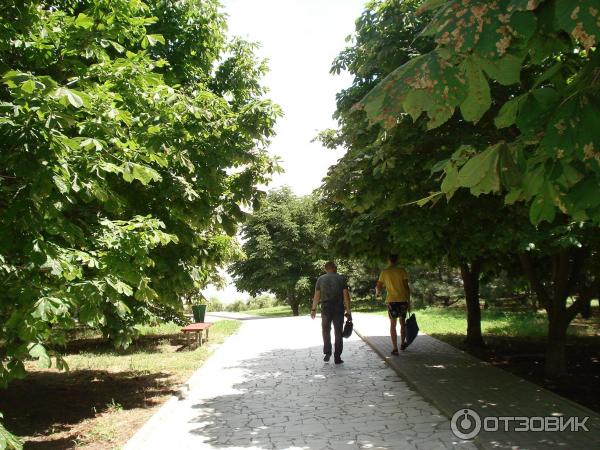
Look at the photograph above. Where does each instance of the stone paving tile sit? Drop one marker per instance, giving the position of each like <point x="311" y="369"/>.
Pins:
<point x="452" y="380"/>
<point x="268" y="388"/>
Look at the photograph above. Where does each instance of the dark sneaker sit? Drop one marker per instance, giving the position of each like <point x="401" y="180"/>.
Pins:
<point x="339" y="361"/>
<point x="395" y="351"/>
<point x="403" y="347"/>
<point x="326" y="358"/>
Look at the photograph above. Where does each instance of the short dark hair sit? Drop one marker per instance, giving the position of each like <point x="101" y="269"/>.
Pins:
<point x="330" y="265"/>
<point x="393" y="258"/>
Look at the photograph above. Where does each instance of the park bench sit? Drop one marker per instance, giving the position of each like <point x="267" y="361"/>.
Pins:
<point x="199" y="329"/>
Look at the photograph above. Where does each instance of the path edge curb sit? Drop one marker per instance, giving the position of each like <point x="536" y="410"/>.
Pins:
<point x="179" y="394"/>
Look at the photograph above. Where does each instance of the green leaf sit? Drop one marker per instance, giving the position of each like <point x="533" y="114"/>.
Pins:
<point x="122" y="309"/>
<point x="429" y="5"/>
<point x="28" y="86"/>
<point x="542" y="207"/>
<point x="479" y="98"/>
<point x="144" y="174"/>
<point x="505" y="70"/>
<point x="507" y="115"/>
<point x="513" y="196"/>
<point x="155" y="38"/>
<point x="8" y="441"/>
<point x="84" y="21"/>
<point x="144" y="292"/>
<point x="580" y="19"/>
<point x="39" y="351"/>
<point x="72" y="97"/>
<point x="480" y="173"/>
<point x="152" y="39"/>
<point x="120" y="287"/>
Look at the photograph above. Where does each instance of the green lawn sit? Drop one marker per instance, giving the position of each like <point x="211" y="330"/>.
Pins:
<point x="436" y="321"/>
<point x="155" y="351"/>
<point x="448" y="322"/>
<point x="276" y="311"/>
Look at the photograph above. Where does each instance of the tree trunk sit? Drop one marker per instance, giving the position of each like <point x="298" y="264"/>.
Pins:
<point x="470" y="277"/>
<point x="295" y="309"/>
<point x="586" y="308"/>
<point x="556" y="363"/>
<point x="566" y="271"/>
<point x="294" y="304"/>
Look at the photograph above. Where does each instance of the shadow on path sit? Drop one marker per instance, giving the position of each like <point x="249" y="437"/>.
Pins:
<point x="309" y="404"/>
<point x="453" y="380"/>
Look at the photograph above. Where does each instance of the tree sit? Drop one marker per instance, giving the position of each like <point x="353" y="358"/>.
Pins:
<point x="562" y="263"/>
<point x="370" y="195"/>
<point x="548" y="154"/>
<point x="282" y="241"/>
<point x="131" y="136"/>
<point x="544" y="52"/>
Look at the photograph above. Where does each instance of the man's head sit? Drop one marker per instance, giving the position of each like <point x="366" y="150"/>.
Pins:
<point x="393" y="259"/>
<point x="330" y="267"/>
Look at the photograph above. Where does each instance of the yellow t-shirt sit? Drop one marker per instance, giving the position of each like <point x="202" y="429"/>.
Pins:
<point x="393" y="278"/>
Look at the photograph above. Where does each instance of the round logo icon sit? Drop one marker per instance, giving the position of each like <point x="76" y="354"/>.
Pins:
<point x="465" y="424"/>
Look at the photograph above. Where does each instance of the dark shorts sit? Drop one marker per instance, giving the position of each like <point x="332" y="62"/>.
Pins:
<point x="397" y="309"/>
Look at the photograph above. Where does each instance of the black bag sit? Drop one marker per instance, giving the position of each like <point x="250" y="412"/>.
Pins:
<point x="348" y="327"/>
<point x="412" y="329"/>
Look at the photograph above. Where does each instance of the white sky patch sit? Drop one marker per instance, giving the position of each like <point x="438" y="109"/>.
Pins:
<point x="300" y="39"/>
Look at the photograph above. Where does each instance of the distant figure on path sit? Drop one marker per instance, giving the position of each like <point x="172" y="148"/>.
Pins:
<point x="395" y="281"/>
<point x="331" y="290"/>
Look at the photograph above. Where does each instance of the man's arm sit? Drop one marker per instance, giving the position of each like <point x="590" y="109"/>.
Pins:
<point x="315" y="302"/>
<point x="378" y="287"/>
<point x="347" y="302"/>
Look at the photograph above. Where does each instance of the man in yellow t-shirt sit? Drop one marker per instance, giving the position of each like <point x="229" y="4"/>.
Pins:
<point x="395" y="281"/>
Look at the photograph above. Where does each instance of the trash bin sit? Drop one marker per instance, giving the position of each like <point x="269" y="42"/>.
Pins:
<point x="198" y="311"/>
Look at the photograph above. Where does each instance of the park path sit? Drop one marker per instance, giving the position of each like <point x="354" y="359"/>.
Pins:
<point x="453" y="380"/>
<point x="267" y="388"/>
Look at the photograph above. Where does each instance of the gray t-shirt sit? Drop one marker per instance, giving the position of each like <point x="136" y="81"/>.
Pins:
<point x="332" y="287"/>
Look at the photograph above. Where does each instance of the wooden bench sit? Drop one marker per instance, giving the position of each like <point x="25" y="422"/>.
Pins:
<point x="197" y="328"/>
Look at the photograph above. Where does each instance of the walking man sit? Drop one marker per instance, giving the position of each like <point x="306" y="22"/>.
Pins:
<point x="331" y="290"/>
<point x="395" y="281"/>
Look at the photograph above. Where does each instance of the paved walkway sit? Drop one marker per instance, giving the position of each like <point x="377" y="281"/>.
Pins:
<point x="267" y="388"/>
<point x="452" y="380"/>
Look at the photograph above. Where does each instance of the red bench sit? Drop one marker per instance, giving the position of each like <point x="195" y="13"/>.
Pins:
<point x="199" y="329"/>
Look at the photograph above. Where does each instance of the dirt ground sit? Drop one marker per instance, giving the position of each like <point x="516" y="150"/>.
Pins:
<point x="100" y="408"/>
<point x="525" y="357"/>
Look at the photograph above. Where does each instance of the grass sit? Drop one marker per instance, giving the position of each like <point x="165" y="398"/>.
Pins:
<point x="155" y="351"/>
<point x="276" y="311"/>
<point x="106" y="394"/>
<point x="438" y="321"/>
<point x="451" y="323"/>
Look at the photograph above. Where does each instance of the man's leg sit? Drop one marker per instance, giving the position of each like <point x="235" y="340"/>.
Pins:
<point x="402" y="333"/>
<point x="338" y="328"/>
<point x="393" y="333"/>
<point x="326" y="328"/>
<point x="402" y="317"/>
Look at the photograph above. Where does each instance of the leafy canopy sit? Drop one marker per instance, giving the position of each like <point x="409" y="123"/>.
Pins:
<point x="546" y="51"/>
<point x="131" y="136"/>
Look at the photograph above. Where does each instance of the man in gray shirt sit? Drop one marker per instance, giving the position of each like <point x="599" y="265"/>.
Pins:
<point x="331" y="291"/>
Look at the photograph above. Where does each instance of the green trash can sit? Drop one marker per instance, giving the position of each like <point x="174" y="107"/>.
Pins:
<point x="199" y="311"/>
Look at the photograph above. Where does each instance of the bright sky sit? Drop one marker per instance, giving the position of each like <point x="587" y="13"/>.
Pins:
<point x="300" y="38"/>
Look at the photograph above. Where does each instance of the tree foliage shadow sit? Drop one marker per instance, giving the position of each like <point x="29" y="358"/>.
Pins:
<point x="524" y="356"/>
<point x="269" y="411"/>
<point x="143" y="344"/>
<point x="46" y="402"/>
